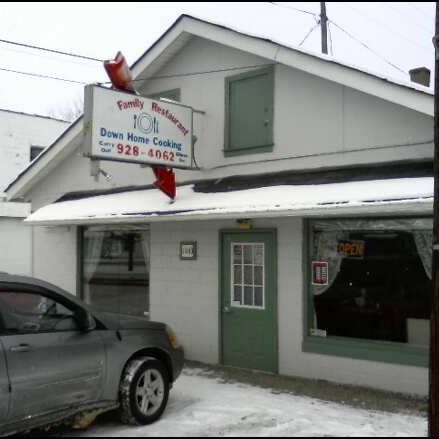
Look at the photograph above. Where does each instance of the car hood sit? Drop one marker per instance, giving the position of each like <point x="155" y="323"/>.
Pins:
<point x="124" y="321"/>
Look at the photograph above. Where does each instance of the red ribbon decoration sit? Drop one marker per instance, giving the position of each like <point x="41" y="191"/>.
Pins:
<point x="121" y="78"/>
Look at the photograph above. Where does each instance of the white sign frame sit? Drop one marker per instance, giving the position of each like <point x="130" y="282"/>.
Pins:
<point x="124" y="127"/>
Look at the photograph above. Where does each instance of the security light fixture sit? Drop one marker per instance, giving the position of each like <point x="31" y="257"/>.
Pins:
<point x="107" y="176"/>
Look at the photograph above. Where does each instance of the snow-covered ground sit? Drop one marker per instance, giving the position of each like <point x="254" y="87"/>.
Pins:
<point x="203" y="405"/>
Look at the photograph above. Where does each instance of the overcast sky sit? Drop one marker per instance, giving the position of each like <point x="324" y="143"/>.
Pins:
<point x="399" y="33"/>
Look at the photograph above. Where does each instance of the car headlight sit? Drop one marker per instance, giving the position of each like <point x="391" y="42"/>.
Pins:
<point x="172" y="338"/>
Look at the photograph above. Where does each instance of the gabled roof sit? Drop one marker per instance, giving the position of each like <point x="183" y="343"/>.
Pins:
<point x="408" y="94"/>
<point x="34" y="115"/>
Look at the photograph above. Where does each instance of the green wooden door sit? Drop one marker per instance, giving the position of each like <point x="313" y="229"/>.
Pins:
<point x="249" y="300"/>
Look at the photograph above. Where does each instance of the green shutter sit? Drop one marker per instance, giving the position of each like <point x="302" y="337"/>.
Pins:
<point x="249" y="112"/>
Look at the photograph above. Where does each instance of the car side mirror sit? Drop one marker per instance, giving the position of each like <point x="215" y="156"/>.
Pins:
<point x="85" y="320"/>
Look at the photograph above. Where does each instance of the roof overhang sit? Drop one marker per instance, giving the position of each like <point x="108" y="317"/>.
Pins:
<point x="404" y="196"/>
<point x="14" y="210"/>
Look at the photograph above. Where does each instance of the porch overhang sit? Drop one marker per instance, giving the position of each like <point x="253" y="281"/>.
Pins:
<point x="402" y="196"/>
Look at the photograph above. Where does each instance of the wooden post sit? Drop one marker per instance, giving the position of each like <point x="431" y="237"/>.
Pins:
<point x="324" y="27"/>
<point x="433" y="418"/>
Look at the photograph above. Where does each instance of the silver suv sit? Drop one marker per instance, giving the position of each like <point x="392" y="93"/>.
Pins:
<point x="61" y="360"/>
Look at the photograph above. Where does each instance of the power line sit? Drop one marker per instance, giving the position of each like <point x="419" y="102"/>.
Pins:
<point x="309" y="33"/>
<point x="179" y="75"/>
<point x="330" y="39"/>
<point x="421" y="11"/>
<point x="37" y="75"/>
<point x="59" y="52"/>
<point x="399" y="35"/>
<point x="430" y="31"/>
<point x="48" y="56"/>
<point x="367" y="47"/>
<point x="293" y="8"/>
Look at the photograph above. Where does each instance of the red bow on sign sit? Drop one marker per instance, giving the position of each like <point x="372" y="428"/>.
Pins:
<point x="165" y="180"/>
<point x="121" y="78"/>
<point x="119" y="73"/>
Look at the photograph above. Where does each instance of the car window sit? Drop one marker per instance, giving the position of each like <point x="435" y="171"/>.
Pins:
<point x="25" y="312"/>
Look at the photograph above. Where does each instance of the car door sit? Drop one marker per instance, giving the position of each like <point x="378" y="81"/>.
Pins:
<point x="52" y="363"/>
<point x="4" y="386"/>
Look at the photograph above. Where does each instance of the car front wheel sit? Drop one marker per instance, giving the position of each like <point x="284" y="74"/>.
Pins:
<point x="143" y="391"/>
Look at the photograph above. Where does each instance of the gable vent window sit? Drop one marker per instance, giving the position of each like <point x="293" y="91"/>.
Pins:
<point x="35" y="151"/>
<point x="249" y="113"/>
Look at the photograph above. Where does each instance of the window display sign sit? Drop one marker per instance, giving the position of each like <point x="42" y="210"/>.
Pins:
<point x="350" y="249"/>
<point x="319" y="273"/>
<point x="121" y="126"/>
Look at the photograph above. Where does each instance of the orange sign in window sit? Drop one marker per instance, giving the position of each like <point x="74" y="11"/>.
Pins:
<point x="351" y="248"/>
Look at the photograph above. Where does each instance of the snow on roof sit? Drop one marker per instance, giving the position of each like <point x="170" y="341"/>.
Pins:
<point x="324" y="57"/>
<point x="285" y="200"/>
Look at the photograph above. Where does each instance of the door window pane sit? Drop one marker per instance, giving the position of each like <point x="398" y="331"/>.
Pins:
<point x="248" y="296"/>
<point x="259" y="254"/>
<point x="237" y="254"/>
<point x="248" y="254"/>
<point x="237" y="293"/>
<point x="248" y="274"/>
<point x="116" y="270"/>
<point x="238" y="274"/>
<point x="247" y="277"/>
<point x="259" y="273"/>
<point x="258" y="296"/>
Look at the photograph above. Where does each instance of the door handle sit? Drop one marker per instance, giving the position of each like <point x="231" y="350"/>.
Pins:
<point x="227" y="310"/>
<point x="20" y="348"/>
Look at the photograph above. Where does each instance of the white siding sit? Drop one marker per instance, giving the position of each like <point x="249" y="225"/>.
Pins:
<point x="18" y="132"/>
<point x="15" y="246"/>
<point x="185" y="293"/>
<point x="54" y="256"/>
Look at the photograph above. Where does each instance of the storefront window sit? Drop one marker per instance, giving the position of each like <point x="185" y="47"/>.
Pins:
<point x="116" y="269"/>
<point x="371" y="279"/>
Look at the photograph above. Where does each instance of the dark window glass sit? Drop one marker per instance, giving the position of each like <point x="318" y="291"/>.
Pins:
<point x="116" y="270"/>
<point x="378" y="288"/>
<point x="35" y="151"/>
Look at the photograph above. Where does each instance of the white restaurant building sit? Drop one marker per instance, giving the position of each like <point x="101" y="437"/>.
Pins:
<point x="308" y="217"/>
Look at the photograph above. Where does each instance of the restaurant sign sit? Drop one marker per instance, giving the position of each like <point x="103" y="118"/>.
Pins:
<point x="121" y="126"/>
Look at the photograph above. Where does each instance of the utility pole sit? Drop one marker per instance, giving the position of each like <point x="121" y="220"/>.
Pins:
<point x="324" y="27"/>
<point x="433" y="418"/>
